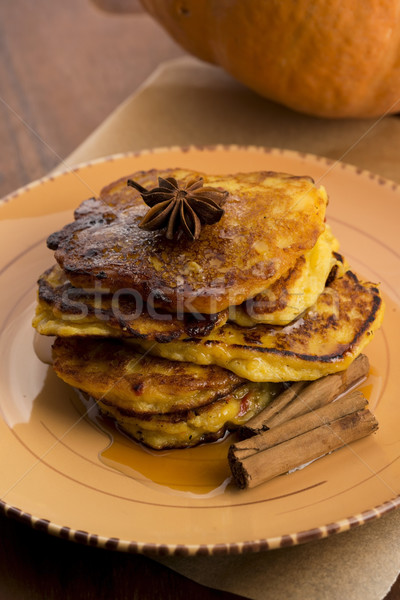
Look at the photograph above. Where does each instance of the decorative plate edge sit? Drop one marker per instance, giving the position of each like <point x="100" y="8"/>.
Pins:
<point x="217" y="549"/>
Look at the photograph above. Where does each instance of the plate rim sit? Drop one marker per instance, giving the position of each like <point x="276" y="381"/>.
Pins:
<point x="216" y="549"/>
<point x="223" y="548"/>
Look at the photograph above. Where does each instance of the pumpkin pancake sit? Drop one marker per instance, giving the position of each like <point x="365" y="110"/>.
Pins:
<point x="114" y="371"/>
<point x="269" y="221"/>
<point x="205" y="424"/>
<point x="325" y="339"/>
<point x="156" y="401"/>
<point x="63" y="310"/>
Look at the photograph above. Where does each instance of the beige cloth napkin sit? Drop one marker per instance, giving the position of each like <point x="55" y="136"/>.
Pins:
<point x="187" y="102"/>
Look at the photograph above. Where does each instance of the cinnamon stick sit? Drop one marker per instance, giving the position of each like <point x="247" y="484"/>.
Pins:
<point x="302" y="397"/>
<point x="300" y="440"/>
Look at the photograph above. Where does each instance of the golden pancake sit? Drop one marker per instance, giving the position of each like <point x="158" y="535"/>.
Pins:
<point x="270" y="219"/>
<point x="116" y="373"/>
<point x="156" y="401"/>
<point x="205" y="424"/>
<point x="63" y="310"/>
<point x="325" y="339"/>
<point x="189" y="428"/>
<point x="292" y="293"/>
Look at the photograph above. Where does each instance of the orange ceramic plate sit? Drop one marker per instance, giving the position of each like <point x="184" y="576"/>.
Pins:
<point x="58" y="469"/>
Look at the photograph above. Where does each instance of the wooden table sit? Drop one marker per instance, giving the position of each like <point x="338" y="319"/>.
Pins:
<point x="64" y="66"/>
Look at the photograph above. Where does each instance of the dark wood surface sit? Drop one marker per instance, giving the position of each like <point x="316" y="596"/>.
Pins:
<point x="64" y="66"/>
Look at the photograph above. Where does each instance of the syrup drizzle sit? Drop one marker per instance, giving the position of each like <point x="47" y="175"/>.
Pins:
<point x="202" y="471"/>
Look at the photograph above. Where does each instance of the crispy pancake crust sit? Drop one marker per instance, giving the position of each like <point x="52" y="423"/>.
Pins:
<point x="325" y="339"/>
<point x="138" y="384"/>
<point x="270" y="219"/>
<point x="67" y="311"/>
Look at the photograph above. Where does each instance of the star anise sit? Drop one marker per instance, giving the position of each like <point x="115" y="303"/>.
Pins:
<point x="177" y="205"/>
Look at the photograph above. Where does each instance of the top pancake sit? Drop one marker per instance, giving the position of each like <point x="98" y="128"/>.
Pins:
<point x="270" y="219"/>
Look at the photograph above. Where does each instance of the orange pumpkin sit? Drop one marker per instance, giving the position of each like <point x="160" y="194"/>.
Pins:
<point x="336" y="58"/>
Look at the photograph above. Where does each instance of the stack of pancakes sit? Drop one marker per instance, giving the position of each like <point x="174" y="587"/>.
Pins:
<point x="181" y="340"/>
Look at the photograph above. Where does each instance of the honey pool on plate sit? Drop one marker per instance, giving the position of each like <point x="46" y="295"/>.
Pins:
<point x="202" y="470"/>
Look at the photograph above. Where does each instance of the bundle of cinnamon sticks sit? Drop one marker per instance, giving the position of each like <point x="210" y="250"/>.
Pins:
<point x="305" y="422"/>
